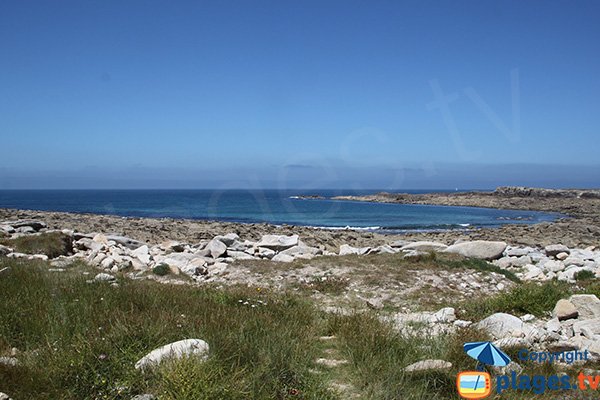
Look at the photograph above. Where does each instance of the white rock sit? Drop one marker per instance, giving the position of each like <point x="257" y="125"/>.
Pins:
<point x="4" y="396"/>
<point x="527" y="318"/>
<point x="481" y="249"/>
<point x="107" y="262"/>
<point x="573" y="261"/>
<point x="298" y="250"/>
<point x="587" y="305"/>
<point x="283" y="258"/>
<point x="424" y="246"/>
<point x="553" y="266"/>
<point x="532" y="272"/>
<point x="266" y="253"/>
<point x="9" y="361"/>
<point x="217" y="268"/>
<point x="102" y="277"/>
<point x="445" y="315"/>
<point x="512" y="342"/>
<point x="429" y="365"/>
<point x="187" y="347"/>
<point x="553" y="325"/>
<point x="562" y="256"/>
<point x="346" y="249"/>
<point x="460" y="323"/>
<point x="553" y="249"/>
<point x="216" y="248"/>
<point x="142" y="253"/>
<point x="240" y="255"/>
<point x="564" y="310"/>
<point x="278" y="242"/>
<point x="501" y="325"/>
<point x="130" y="243"/>
<point x="228" y="239"/>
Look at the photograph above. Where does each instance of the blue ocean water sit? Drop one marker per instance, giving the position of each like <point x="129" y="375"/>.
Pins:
<point x="273" y="206"/>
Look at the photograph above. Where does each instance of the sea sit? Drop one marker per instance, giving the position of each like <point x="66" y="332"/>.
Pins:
<point x="277" y="207"/>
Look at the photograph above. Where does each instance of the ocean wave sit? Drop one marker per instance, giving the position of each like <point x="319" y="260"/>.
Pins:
<point x="349" y="228"/>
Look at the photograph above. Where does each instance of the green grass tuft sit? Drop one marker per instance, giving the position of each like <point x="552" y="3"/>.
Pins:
<point x="527" y="298"/>
<point x="585" y="275"/>
<point x="161" y="269"/>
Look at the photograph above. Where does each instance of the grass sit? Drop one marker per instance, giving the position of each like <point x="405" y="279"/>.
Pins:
<point x="327" y="284"/>
<point x="527" y="298"/>
<point x="80" y="340"/>
<point x="52" y="244"/>
<point x="478" y="265"/>
<point x="585" y="275"/>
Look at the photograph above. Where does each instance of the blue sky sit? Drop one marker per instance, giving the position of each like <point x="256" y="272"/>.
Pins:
<point x="358" y="94"/>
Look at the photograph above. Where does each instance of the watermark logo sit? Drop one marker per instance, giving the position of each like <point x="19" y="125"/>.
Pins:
<point x="478" y="384"/>
<point x="474" y="384"/>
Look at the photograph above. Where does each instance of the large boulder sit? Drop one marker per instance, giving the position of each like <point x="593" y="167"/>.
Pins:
<point x="302" y="250"/>
<point x="278" y="242"/>
<point x="187" y="347"/>
<point x="216" y="248"/>
<point x="587" y="305"/>
<point x="564" y="310"/>
<point x="482" y="249"/>
<point x="501" y="325"/>
<point x="142" y="253"/>
<point x="125" y="241"/>
<point x="346" y="249"/>
<point x="554" y="249"/>
<point x="228" y="239"/>
<point x="424" y="246"/>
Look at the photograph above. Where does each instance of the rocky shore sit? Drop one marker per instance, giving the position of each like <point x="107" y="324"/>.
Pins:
<point x="580" y="227"/>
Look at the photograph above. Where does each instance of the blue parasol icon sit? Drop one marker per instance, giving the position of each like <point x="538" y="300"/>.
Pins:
<point x="487" y="353"/>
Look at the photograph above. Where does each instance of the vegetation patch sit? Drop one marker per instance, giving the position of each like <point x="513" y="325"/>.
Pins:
<point x="52" y="244"/>
<point x="479" y="265"/>
<point x="527" y="298"/>
<point x="161" y="269"/>
<point x="81" y="340"/>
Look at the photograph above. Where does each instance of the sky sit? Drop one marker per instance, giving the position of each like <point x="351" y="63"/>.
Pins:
<point x="310" y="94"/>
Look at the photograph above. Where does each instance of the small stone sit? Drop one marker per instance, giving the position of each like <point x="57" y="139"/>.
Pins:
<point x="527" y="318"/>
<point x="9" y="361"/>
<point x="187" y="347"/>
<point x="375" y="304"/>
<point x="460" y="323"/>
<point x="329" y="363"/>
<point x="429" y="365"/>
<point x="102" y="277"/>
<point x="283" y="258"/>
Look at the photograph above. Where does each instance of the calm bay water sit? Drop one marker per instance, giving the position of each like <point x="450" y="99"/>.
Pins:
<point x="273" y="206"/>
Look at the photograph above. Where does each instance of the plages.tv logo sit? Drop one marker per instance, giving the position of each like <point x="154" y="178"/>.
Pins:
<point x="478" y="384"/>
